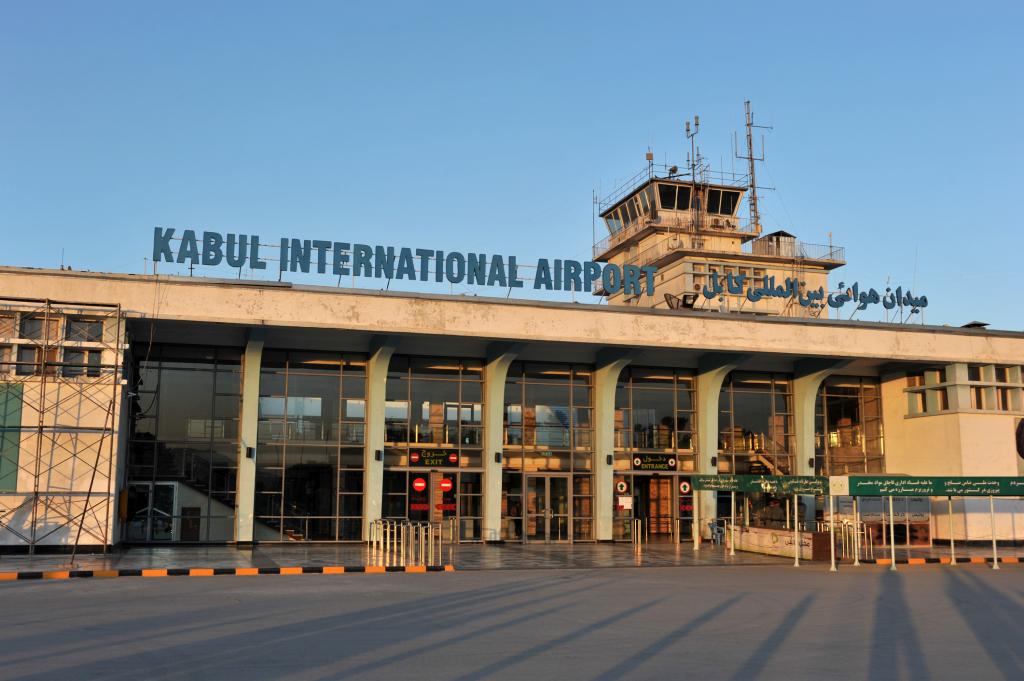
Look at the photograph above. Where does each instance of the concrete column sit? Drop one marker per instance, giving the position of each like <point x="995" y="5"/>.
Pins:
<point x="610" y="364"/>
<point x="499" y="357"/>
<point x="712" y="369"/>
<point x="959" y="394"/>
<point x="245" y="497"/>
<point x="381" y="350"/>
<point x="808" y="375"/>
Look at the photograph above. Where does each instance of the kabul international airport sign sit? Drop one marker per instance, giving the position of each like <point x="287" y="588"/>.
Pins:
<point x="919" y="486"/>
<point x="765" y="287"/>
<point x="387" y="262"/>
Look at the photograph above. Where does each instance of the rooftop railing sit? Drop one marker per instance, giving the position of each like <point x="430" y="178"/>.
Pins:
<point x="679" y="225"/>
<point x="790" y="248"/>
<point x="661" y="171"/>
<point x="797" y="250"/>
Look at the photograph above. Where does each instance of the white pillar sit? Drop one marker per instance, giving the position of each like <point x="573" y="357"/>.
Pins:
<point x="609" y="365"/>
<point x="499" y="357"/>
<point x="712" y="370"/>
<point x="381" y="350"/>
<point x="245" y="496"/>
<point x="808" y="375"/>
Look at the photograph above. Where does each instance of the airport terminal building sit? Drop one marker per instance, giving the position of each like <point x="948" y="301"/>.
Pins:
<point x="148" y="409"/>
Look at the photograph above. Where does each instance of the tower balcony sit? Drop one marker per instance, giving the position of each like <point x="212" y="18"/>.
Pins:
<point x="672" y="248"/>
<point x="691" y="224"/>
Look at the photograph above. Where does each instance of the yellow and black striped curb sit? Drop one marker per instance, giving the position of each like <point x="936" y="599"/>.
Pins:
<point x="944" y="560"/>
<point x="213" y="572"/>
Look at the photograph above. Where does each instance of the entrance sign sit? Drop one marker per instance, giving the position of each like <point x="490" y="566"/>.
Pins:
<point x="772" y="484"/>
<point x="684" y="487"/>
<point x="919" y="486"/>
<point x="340" y="258"/>
<point x="621" y="487"/>
<point x="654" y="462"/>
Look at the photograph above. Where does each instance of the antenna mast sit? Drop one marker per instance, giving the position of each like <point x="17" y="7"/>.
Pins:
<point x="698" y="198"/>
<point x="755" y="214"/>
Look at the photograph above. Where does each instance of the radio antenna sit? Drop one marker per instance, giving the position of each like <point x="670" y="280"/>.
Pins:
<point x="750" y="158"/>
<point x="698" y="194"/>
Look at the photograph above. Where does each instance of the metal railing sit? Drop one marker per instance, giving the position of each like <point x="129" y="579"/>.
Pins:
<point x="659" y="171"/>
<point x="853" y="540"/>
<point x="797" y="249"/>
<point x="405" y="542"/>
<point x="682" y="228"/>
<point x="673" y="243"/>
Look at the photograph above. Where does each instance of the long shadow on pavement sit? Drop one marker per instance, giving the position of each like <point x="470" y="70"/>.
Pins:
<point x="623" y="669"/>
<point x="754" y="665"/>
<point x="516" y="658"/>
<point x="240" y="645"/>
<point x="894" y="635"/>
<point x="994" y="624"/>
<point x="531" y="616"/>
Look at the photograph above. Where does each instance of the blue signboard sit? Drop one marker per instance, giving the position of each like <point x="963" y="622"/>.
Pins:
<point x="388" y="262"/>
<point x="756" y="289"/>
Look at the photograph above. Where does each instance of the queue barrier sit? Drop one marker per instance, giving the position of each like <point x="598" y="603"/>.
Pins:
<point x="406" y="542"/>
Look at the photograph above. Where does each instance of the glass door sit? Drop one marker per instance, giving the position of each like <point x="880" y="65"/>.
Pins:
<point x="558" y="503"/>
<point x="547" y="508"/>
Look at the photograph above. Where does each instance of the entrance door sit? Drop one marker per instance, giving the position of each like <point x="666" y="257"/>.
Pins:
<point x="547" y="508"/>
<point x="653" y="502"/>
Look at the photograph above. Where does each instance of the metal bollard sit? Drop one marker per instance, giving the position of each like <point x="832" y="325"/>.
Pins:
<point x="638" y="531"/>
<point x="430" y="543"/>
<point x="421" y="535"/>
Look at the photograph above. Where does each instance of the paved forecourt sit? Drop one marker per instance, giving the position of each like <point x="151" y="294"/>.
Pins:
<point x="601" y="624"/>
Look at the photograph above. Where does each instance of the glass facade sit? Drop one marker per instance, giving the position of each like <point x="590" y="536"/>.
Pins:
<point x="309" y="452"/>
<point x="182" y="457"/>
<point x="434" y="434"/>
<point x="848" y="427"/>
<point x="548" y="433"/>
<point x="756" y="424"/>
<point x="311" y="429"/>
<point x="655" y="427"/>
<point x="654" y="412"/>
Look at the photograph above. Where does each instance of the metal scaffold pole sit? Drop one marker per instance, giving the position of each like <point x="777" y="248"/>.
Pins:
<point x="66" y="384"/>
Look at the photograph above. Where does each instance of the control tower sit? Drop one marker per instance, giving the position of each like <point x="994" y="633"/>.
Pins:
<point x="689" y="226"/>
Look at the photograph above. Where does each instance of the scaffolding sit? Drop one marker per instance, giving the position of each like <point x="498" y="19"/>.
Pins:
<point x="61" y="382"/>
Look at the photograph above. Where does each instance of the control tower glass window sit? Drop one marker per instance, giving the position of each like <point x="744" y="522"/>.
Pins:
<point x="729" y="202"/>
<point x="722" y="202"/>
<point x="674" y="197"/>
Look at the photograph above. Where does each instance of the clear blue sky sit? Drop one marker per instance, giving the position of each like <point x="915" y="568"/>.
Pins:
<point x="474" y="127"/>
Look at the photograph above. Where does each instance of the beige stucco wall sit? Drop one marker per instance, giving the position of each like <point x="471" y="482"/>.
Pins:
<point x="211" y="301"/>
<point x="952" y="444"/>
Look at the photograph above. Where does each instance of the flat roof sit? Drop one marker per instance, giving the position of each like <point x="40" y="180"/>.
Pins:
<point x="510" y="302"/>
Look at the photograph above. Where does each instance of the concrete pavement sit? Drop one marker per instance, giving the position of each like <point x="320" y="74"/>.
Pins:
<point x="600" y="624"/>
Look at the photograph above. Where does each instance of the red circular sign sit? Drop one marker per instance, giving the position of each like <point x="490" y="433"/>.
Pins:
<point x="453" y="458"/>
<point x="414" y="457"/>
<point x="446" y="485"/>
<point x="419" y="484"/>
